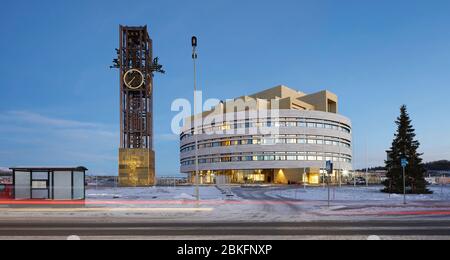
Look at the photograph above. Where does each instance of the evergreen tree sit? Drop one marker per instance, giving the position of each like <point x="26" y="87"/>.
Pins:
<point x="405" y="146"/>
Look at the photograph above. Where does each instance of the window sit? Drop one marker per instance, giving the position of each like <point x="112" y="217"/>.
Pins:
<point x="280" y="141"/>
<point x="39" y="185"/>
<point x="268" y="141"/>
<point x="269" y="158"/>
<point x="280" y="158"/>
<point x="291" y="141"/>
<point x="258" y="158"/>
<point x="291" y="124"/>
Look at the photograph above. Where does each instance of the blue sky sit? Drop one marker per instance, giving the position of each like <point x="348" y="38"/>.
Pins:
<point x="59" y="100"/>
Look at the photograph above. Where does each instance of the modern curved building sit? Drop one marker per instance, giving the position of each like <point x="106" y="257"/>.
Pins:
<point x="277" y="136"/>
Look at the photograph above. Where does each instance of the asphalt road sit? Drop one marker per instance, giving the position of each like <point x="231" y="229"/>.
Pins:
<point x="422" y="229"/>
<point x="260" y="193"/>
<point x="281" y="204"/>
<point x="181" y="229"/>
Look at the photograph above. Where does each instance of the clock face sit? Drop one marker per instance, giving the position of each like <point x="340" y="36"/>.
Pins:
<point x="134" y="79"/>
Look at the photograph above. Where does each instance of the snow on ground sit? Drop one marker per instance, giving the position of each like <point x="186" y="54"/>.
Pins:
<point x="355" y="194"/>
<point x="174" y="204"/>
<point x="345" y="193"/>
<point x="154" y="193"/>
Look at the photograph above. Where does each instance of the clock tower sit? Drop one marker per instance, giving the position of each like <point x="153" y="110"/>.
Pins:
<point x="137" y="66"/>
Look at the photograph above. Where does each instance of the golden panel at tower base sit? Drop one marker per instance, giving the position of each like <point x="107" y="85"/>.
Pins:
<point x="136" y="167"/>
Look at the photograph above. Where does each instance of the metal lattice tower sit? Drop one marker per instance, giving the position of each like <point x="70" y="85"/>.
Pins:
<point x="137" y="65"/>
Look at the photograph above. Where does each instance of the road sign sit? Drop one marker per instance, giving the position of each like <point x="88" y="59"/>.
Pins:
<point x="329" y="167"/>
<point x="404" y="162"/>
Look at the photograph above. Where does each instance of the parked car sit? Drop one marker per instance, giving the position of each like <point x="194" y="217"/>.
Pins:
<point x="431" y="181"/>
<point x="360" y="181"/>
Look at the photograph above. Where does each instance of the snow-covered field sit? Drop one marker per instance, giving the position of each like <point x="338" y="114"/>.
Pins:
<point x="267" y="204"/>
<point x="355" y="194"/>
<point x="345" y="193"/>
<point x="154" y="193"/>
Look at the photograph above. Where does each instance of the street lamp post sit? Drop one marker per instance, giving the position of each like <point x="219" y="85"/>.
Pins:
<point x="404" y="186"/>
<point x="197" y="177"/>
<point x="404" y="163"/>
<point x="329" y="172"/>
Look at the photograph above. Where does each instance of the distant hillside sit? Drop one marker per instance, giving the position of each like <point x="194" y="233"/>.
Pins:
<point x="443" y="165"/>
<point x="373" y="169"/>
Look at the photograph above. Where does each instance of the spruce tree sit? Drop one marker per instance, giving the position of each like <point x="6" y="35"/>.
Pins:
<point x="405" y="146"/>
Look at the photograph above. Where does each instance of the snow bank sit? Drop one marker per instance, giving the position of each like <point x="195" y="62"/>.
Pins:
<point x="357" y="194"/>
<point x="154" y="193"/>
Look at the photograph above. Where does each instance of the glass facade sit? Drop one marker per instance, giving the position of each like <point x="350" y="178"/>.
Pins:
<point x="282" y="123"/>
<point x="294" y="153"/>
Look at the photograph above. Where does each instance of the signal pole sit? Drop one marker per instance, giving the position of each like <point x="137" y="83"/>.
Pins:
<point x="197" y="177"/>
<point x="404" y="163"/>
